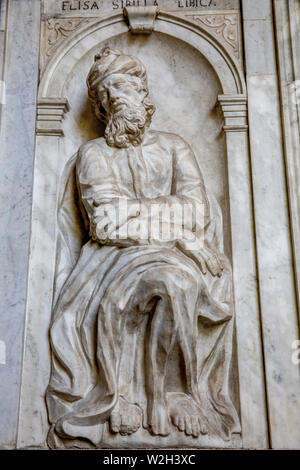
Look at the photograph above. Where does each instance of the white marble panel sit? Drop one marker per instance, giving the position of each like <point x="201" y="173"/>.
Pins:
<point x="288" y="44"/>
<point x="33" y="422"/>
<point x="16" y="168"/>
<point x="259" y="60"/>
<point x="257" y="10"/>
<point x="274" y="250"/>
<point x="250" y="357"/>
<point x="194" y="80"/>
<point x="275" y="264"/>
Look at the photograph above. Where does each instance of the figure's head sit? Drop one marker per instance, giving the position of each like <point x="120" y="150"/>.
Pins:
<point x="118" y="89"/>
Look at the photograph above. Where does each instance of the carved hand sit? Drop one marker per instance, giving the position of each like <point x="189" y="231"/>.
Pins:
<point x="109" y="216"/>
<point x="207" y="258"/>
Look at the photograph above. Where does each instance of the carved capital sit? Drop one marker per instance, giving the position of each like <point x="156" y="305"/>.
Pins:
<point x="50" y="113"/>
<point x="141" y="19"/>
<point x="234" y="111"/>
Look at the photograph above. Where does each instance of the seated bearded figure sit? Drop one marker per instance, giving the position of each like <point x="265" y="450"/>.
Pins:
<point x="133" y="298"/>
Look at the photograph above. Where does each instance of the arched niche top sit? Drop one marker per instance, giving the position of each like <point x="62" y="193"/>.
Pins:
<point x="226" y="67"/>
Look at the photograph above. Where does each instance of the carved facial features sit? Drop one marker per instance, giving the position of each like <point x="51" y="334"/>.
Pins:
<point x="119" y="88"/>
<point x="128" y="109"/>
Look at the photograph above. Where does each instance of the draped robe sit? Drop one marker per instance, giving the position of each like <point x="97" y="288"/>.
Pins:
<point x="107" y="293"/>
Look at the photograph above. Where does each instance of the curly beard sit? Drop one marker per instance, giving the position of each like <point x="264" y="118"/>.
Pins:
<point x="127" y="123"/>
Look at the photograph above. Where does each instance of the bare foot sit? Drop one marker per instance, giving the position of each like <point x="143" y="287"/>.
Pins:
<point x="126" y="417"/>
<point x="159" y="419"/>
<point x="186" y="415"/>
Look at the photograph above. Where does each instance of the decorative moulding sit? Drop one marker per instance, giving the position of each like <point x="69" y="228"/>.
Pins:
<point x="141" y="19"/>
<point x="56" y="30"/>
<point x="62" y="34"/>
<point x="234" y="111"/>
<point x="227" y="67"/>
<point x="224" y="25"/>
<point x="50" y="113"/>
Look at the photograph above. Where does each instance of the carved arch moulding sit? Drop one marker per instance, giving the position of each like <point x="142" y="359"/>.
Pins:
<point x="220" y="31"/>
<point x="216" y="37"/>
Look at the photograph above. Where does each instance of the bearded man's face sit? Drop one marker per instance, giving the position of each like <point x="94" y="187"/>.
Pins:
<point x="127" y="108"/>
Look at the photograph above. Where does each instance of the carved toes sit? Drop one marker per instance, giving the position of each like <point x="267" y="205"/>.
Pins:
<point x="130" y="424"/>
<point x="126" y="427"/>
<point x="125" y="423"/>
<point x="186" y="414"/>
<point x="115" y="422"/>
<point x="203" y="427"/>
<point x="195" y="424"/>
<point x="181" y="423"/>
<point x="188" y="425"/>
<point x="159" y="423"/>
<point x="191" y="425"/>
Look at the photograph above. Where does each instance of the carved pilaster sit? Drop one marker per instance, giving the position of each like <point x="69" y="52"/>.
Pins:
<point x="234" y="111"/>
<point x="141" y="19"/>
<point x="50" y="113"/>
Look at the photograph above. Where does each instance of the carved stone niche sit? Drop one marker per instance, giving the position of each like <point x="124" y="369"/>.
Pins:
<point x="149" y="340"/>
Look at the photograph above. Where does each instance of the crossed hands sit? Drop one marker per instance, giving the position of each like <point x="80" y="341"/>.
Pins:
<point x="108" y="217"/>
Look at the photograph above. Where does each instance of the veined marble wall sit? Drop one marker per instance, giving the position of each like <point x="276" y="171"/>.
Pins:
<point x="224" y="75"/>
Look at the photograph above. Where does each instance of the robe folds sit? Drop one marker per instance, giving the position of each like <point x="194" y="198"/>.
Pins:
<point x="106" y="295"/>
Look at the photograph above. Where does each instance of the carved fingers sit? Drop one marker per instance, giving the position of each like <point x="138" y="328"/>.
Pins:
<point x="209" y="260"/>
<point x="214" y="264"/>
<point x="101" y="227"/>
<point x="103" y="221"/>
<point x="108" y="217"/>
<point x="201" y="262"/>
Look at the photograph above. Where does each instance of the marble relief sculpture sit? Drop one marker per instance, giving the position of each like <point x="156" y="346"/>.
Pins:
<point x="142" y="329"/>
